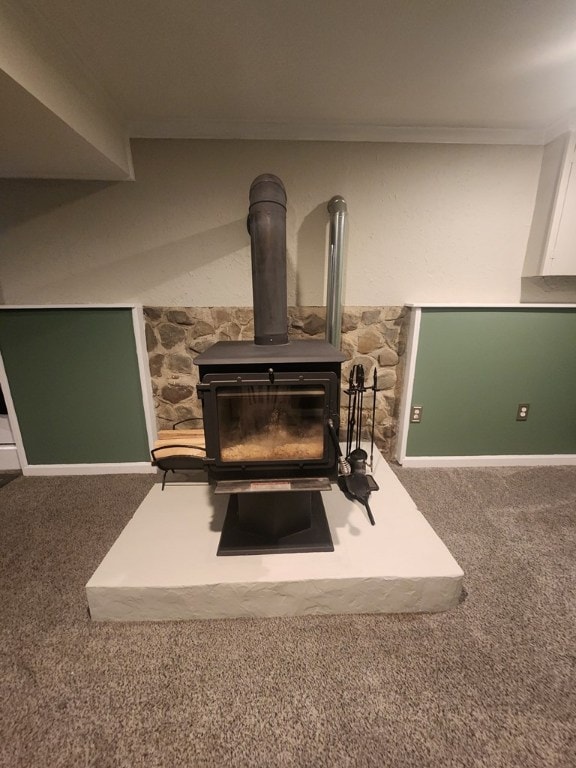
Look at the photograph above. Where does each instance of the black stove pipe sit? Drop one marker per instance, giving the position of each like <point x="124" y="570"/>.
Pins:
<point x="267" y="228"/>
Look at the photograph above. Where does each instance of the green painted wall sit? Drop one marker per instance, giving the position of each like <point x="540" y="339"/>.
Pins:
<point x="74" y="380"/>
<point x="473" y="368"/>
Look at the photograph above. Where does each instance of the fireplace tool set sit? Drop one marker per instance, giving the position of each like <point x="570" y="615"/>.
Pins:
<point x="353" y="480"/>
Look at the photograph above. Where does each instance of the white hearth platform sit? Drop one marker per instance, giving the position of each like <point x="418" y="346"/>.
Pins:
<point x="163" y="566"/>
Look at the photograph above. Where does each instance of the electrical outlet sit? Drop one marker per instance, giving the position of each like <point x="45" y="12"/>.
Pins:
<point x="416" y="414"/>
<point x="522" y="412"/>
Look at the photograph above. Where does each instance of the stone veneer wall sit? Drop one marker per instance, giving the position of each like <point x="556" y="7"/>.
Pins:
<point x="373" y="336"/>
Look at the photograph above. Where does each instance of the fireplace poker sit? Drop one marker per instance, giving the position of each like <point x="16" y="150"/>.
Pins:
<point x="374" y="390"/>
<point x="351" y="410"/>
<point x="361" y="390"/>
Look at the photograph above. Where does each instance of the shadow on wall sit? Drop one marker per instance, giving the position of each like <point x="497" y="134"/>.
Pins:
<point x="312" y="242"/>
<point x="552" y="289"/>
<point x="140" y="271"/>
<point x="22" y="200"/>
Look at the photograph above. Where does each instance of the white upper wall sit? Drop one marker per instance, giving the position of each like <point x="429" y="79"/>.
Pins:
<point x="427" y="223"/>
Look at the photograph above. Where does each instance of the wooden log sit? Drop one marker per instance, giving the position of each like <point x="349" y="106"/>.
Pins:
<point x="170" y="434"/>
<point x="164" y="452"/>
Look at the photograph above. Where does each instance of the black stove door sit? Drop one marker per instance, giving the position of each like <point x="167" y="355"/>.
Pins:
<point x="274" y="421"/>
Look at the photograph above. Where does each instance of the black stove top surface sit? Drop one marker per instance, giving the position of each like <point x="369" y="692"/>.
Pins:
<point x="306" y="351"/>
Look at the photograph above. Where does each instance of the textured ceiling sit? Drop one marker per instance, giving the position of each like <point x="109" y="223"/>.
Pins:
<point x="407" y="70"/>
<point x="420" y="63"/>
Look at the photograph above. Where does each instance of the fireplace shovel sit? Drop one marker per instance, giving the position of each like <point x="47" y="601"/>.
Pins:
<point x="357" y="483"/>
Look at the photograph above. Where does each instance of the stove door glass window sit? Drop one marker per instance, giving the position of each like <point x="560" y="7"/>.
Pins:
<point x="271" y="423"/>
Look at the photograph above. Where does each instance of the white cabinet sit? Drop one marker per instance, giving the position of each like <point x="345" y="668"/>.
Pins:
<point x="552" y="243"/>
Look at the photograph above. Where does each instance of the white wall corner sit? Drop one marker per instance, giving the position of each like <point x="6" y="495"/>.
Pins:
<point x="139" y="325"/>
<point x="408" y="384"/>
<point x="39" y="64"/>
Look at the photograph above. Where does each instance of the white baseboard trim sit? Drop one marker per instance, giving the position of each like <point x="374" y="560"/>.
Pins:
<point x="132" y="468"/>
<point x="489" y="461"/>
<point x="9" y="457"/>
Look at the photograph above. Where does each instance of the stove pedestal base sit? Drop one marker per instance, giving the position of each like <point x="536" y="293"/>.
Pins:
<point x="275" y="522"/>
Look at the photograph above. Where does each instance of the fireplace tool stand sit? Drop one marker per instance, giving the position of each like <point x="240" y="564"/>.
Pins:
<point x="353" y="479"/>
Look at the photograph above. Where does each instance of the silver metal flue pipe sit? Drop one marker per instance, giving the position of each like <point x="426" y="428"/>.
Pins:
<point x="338" y="211"/>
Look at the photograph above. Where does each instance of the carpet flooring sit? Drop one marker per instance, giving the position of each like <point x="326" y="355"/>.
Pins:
<point x="491" y="683"/>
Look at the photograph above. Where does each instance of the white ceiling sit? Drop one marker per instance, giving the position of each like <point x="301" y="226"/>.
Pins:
<point x="404" y="70"/>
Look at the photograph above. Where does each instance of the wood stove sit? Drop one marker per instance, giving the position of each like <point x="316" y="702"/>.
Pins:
<point x="266" y="409"/>
<point x="267" y="406"/>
